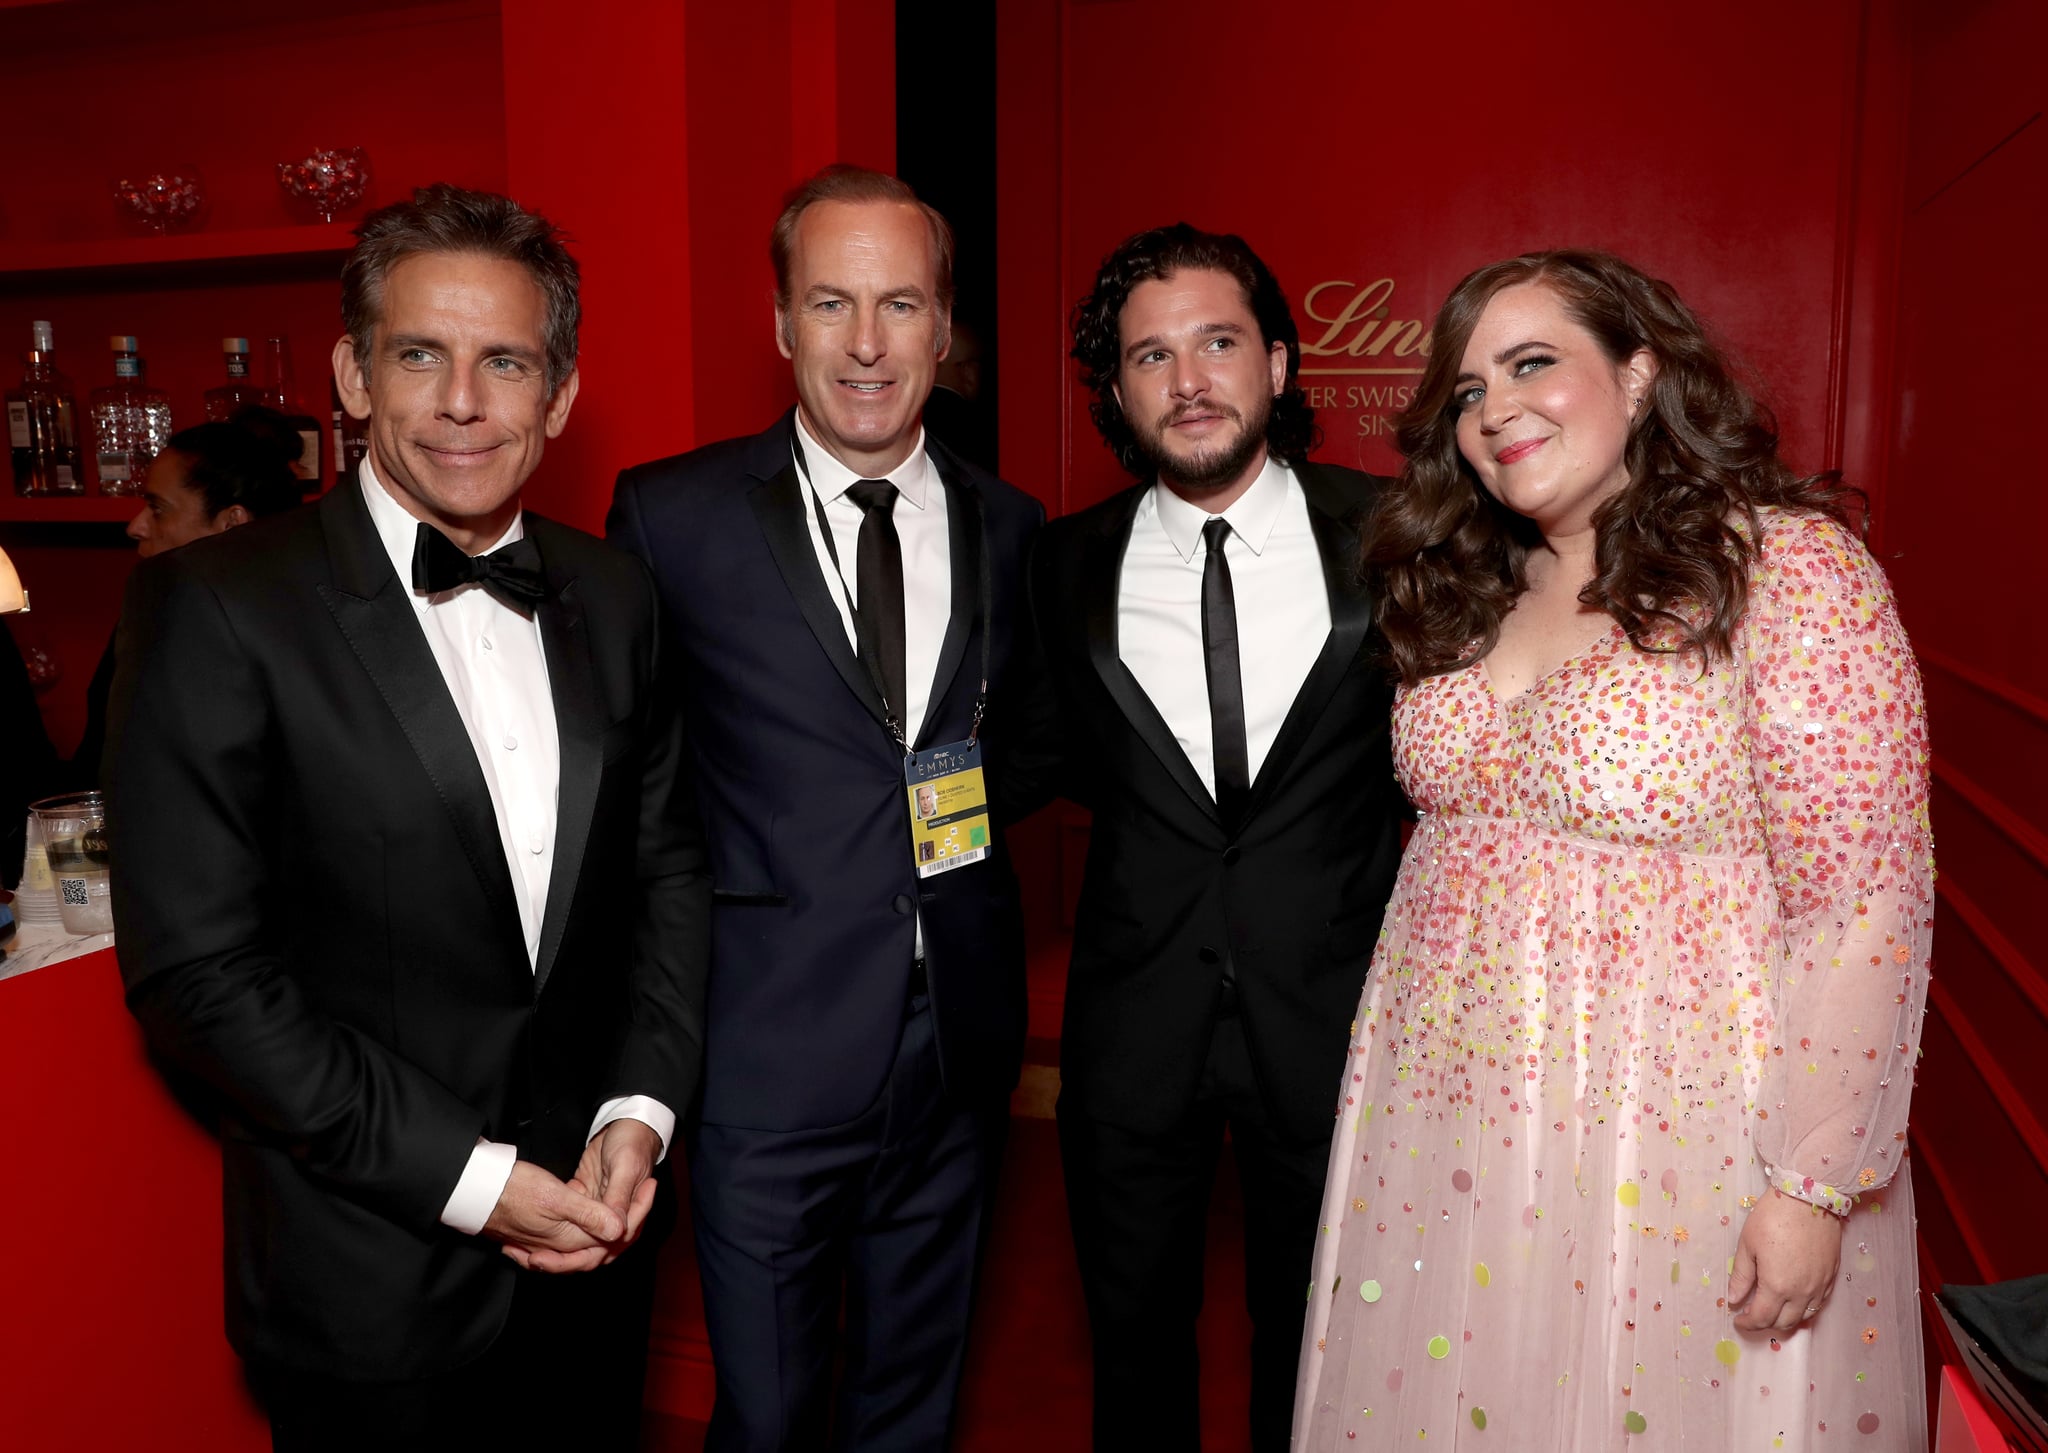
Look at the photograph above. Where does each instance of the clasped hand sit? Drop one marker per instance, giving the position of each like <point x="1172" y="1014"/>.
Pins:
<point x="549" y="1225"/>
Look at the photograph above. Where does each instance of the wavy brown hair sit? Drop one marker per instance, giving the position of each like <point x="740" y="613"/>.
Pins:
<point x="1671" y="549"/>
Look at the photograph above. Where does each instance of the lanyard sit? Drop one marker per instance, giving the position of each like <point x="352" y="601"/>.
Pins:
<point x="985" y="598"/>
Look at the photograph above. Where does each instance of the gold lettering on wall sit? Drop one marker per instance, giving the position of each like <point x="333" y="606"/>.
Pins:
<point x="1360" y="336"/>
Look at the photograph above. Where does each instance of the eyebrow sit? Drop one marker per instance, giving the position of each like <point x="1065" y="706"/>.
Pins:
<point x="1203" y="330"/>
<point x="1506" y="353"/>
<point x="910" y="292"/>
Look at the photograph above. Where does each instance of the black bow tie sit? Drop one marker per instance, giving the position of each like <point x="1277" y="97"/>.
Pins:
<point x="512" y="574"/>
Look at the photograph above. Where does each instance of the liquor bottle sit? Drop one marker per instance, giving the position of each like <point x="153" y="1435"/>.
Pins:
<point x="283" y="395"/>
<point x="42" y="423"/>
<point x="240" y="390"/>
<point x="351" y="437"/>
<point x="131" y="421"/>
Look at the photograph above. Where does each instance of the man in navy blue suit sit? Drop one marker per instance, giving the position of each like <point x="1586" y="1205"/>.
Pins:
<point x="845" y="598"/>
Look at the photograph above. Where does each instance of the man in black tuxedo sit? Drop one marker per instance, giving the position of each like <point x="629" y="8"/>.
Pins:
<point x="845" y="593"/>
<point x="1208" y="644"/>
<point x="406" y="868"/>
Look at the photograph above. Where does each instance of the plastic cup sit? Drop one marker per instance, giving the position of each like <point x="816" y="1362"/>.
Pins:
<point x="35" y="902"/>
<point x="74" y="834"/>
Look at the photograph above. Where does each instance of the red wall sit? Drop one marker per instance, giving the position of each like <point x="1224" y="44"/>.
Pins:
<point x="1967" y="513"/>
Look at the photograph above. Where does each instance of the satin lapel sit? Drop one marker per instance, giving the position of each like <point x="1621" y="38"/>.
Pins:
<point x="1103" y="570"/>
<point x="963" y="532"/>
<point x="566" y="642"/>
<point x="780" y="505"/>
<point x="373" y="612"/>
<point x="1350" y="619"/>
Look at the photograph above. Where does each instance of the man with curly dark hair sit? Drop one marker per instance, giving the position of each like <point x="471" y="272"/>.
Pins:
<point x="1208" y="641"/>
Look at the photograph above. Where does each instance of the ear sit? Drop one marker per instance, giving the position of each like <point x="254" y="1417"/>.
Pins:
<point x="945" y="337"/>
<point x="1636" y="377"/>
<point x="1276" y="364"/>
<point x="563" y="400"/>
<point x="350" y="380"/>
<point x="785" y="337"/>
<point x="230" y="517"/>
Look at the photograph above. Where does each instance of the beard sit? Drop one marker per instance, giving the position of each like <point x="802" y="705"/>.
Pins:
<point x="1209" y="466"/>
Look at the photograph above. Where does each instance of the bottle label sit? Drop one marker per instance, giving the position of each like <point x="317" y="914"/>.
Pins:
<point x="114" y="469"/>
<point x="238" y="365"/>
<point x="127" y="365"/>
<point x="340" y="463"/>
<point x="17" y="424"/>
<point x="309" y="454"/>
<point x="64" y="480"/>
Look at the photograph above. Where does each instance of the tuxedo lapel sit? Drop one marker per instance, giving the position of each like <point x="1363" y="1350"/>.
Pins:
<point x="566" y="641"/>
<point x="964" y="546"/>
<point x="372" y="610"/>
<point x="1102" y="573"/>
<point x="1350" y="619"/>
<point x="780" y="502"/>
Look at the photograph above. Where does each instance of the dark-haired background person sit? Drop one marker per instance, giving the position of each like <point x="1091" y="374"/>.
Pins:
<point x="838" y="586"/>
<point x="1211" y="654"/>
<point x="209" y="478"/>
<point x="407" y="872"/>
<point x="1647" y="1001"/>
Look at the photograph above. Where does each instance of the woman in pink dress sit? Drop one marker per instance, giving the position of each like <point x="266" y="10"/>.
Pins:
<point x="1619" y="1160"/>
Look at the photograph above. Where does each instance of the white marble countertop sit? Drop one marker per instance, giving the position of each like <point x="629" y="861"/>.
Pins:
<point x="38" y="945"/>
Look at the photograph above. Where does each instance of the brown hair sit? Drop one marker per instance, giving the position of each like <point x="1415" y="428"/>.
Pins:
<point x="1671" y="549"/>
<point x="445" y="218"/>
<point x="843" y="182"/>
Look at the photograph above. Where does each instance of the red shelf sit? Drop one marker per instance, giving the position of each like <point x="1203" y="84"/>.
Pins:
<point x="142" y="253"/>
<point x="80" y="509"/>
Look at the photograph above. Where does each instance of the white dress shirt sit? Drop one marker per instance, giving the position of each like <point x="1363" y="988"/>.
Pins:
<point x="496" y="672"/>
<point x="927" y="566"/>
<point x="1283" y="610"/>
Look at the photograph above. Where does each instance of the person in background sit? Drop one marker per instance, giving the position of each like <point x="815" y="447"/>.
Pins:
<point x="207" y="479"/>
<point x="1620" y="1158"/>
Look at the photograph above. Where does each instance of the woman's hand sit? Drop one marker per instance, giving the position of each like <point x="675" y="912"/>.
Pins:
<point x="1785" y="1264"/>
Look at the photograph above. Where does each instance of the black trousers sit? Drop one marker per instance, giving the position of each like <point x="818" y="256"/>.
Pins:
<point x="881" y="1219"/>
<point x="1140" y="1207"/>
<point x="571" y="1363"/>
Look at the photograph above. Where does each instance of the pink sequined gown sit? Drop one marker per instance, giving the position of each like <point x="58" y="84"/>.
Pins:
<point x="1659" y="942"/>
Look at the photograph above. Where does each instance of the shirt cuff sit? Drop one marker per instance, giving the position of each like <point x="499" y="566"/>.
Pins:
<point x="483" y="1181"/>
<point x="644" y="1108"/>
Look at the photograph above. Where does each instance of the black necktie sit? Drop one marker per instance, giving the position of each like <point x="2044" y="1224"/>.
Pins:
<point x="512" y="574"/>
<point x="879" y="620"/>
<point x="1226" y="681"/>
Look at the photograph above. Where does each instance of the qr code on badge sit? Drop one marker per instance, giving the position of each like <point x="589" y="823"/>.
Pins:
<point x="74" y="892"/>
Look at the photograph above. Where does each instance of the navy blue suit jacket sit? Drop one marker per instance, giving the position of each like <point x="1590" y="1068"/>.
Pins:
<point x="802" y="789"/>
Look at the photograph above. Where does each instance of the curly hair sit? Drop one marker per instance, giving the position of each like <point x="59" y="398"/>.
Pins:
<point x="1153" y="256"/>
<point x="1671" y="548"/>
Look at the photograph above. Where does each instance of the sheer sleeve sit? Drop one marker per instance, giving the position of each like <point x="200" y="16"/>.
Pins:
<point x="1840" y="757"/>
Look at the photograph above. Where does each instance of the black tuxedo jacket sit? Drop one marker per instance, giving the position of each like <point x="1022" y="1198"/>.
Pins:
<point x="1291" y="896"/>
<point x="315" y="914"/>
<point x="814" y="894"/>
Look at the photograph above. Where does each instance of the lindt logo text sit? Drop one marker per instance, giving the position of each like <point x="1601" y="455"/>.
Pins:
<point x="1360" y="330"/>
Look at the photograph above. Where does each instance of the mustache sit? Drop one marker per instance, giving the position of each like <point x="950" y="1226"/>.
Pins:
<point x="1189" y="411"/>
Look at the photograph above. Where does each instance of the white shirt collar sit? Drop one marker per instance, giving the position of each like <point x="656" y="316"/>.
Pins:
<point x="399" y="528"/>
<point x="1251" y="515"/>
<point x="830" y="478"/>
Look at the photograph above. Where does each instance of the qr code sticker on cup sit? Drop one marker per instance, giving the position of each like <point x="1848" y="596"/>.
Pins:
<point x="74" y="892"/>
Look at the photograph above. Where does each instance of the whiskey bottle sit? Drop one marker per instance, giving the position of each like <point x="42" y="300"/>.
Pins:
<point x="42" y="423"/>
<point x="240" y="390"/>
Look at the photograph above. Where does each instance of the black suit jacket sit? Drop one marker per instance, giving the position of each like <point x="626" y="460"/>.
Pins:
<point x="814" y="894"/>
<point x="1291" y="897"/>
<point x="315" y="914"/>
